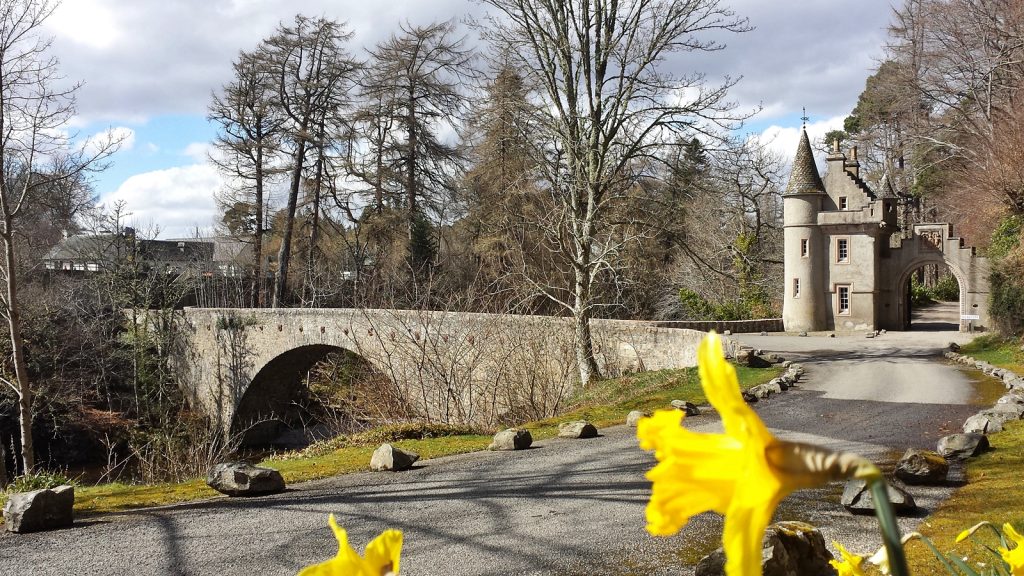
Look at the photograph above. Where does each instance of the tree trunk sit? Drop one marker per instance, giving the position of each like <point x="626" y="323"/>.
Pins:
<point x="314" y="232"/>
<point x="284" y="255"/>
<point x="257" y="235"/>
<point x="584" y="342"/>
<point x="21" y="380"/>
<point x="3" y="464"/>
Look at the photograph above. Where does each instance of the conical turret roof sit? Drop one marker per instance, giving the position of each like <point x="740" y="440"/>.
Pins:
<point x="805" y="178"/>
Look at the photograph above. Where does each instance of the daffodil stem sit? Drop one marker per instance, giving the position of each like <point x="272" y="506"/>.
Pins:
<point x="890" y="531"/>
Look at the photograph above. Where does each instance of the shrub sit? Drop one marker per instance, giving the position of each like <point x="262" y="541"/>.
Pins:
<point x="37" y="481"/>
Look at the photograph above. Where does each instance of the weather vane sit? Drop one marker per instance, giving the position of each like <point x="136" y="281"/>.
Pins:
<point x="804" y="117"/>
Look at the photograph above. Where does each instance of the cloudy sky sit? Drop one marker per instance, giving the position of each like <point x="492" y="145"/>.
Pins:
<point x="150" y="66"/>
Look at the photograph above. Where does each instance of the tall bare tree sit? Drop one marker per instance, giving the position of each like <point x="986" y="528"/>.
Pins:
<point x="416" y="83"/>
<point x="36" y="157"/>
<point x="314" y="73"/>
<point x="609" y="105"/>
<point x="250" y="126"/>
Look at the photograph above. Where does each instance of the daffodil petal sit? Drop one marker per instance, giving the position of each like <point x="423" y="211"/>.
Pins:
<point x="718" y="379"/>
<point x="384" y="552"/>
<point x="742" y="536"/>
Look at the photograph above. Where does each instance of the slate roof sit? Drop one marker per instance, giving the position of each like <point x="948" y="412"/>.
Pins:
<point x="805" y="178"/>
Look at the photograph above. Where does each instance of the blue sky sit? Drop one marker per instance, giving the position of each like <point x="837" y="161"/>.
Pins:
<point x="150" y="66"/>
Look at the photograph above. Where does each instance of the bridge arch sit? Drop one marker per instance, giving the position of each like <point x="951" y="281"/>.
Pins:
<point x="277" y="396"/>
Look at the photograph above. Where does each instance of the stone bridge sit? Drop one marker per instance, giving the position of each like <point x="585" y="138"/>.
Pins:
<point x="245" y="365"/>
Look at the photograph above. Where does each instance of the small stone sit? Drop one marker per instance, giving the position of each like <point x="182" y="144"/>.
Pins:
<point x="882" y="331"/>
<point x="749" y="398"/>
<point x="633" y="417"/>
<point x="787" y="363"/>
<point x="922" y="467"/>
<point x="857" y="498"/>
<point x="832" y="335"/>
<point x="763" y="333"/>
<point x="689" y="408"/>
<point x="40" y="510"/>
<point x="803" y="334"/>
<point x="577" y="429"/>
<point x="727" y="333"/>
<point x="870" y="335"/>
<point x="954" y="347"/>
<point x="512" y="439"/>
<point x="241" y="479"/>
<point x="983" y="423"/>
<point x="390" y="458"/>
<point x="962" y="445"/>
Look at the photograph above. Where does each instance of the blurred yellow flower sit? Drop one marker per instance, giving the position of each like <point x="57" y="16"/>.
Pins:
<point x="1014" y="557"/>
<point x="743" y="473"/>
<point x="850" y="564"/>
<point x="382" y="556"/>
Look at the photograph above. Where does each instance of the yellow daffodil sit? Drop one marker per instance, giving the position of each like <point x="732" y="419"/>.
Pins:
<point x="850" y="564"/>
<point x="382" y="556"/>
<point x="1015" y="556"/>
<point x="743" y="473"/>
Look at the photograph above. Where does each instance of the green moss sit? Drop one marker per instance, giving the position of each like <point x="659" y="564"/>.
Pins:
<point x="996" y="350"/>
<point x="993" y="493"/>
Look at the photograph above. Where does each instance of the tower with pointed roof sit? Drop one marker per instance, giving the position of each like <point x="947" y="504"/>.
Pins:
<point x="803" y="308"/>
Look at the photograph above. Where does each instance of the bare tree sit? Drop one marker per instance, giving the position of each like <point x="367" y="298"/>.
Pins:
<point x="36" y="155"/>
<point x="608" y="107"/>
<point x="314" y="73"/>
<point x="250" y="130"/>
<point x="415" y="84"/>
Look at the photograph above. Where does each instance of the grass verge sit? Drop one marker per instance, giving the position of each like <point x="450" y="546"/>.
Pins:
<point x="996" y="350"/>
<point x="993" y="493"/>
<point x="605" y="403"/>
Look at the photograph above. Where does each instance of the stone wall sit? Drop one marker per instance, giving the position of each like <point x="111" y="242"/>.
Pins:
<point x="721" y="326"/>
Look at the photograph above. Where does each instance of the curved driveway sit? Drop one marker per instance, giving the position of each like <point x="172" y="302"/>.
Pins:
<point x="564" y="507"/>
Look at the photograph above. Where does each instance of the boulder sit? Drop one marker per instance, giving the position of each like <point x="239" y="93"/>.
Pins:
<point x="983" y="423"/>
<point x="388" y="457"/>
<point x="40" y="510"/>
<point x="689" y="408"/>
<point x="773" y="358"/>
<point x="922" y="467"/>
<point x="857" y="498"/>
<point x="802" y="334"/>
<point x="727" y="333"/>
<point x="787" y="363"/>
<point x="767" y="389"/>
<point x="633" y="417"/>
<point x="241" y="479"/>
<point x="788" y="549"/>
<point x="954" y="347"/>
<point x="784" y="382"/>
<point x="1009" y="377"/>
<point x="758" y="361"/>
<point x="1016" y="384"/>
<point x="577" y="429"/>
<point x="512" y="439"/>
<point x="743" y="356"/>
<point x="1007" y="411"/>
<point x="962" y="445"/>
<point x="749" y="398"/>
<point x="870" y="334"/>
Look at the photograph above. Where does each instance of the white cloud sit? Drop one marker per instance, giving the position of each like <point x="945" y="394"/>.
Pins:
<point x="198" y="151"/>
<point x="176" y="200"/>
<point x="88" y="23"/>
<point x="783" y="140"/>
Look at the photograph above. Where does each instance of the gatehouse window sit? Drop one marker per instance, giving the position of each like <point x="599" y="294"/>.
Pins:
<point x="844" y="204"/>
<point x="843" y="300"/>
<point x="842" y="250"/>
<point x="796" y="287"/>
<point x="803" y="248"/>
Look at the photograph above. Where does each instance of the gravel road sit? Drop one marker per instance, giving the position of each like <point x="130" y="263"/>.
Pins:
<point x="563" y="507"/>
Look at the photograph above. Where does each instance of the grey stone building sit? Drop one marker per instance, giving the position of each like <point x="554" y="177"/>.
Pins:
<point x="845" y="269"/>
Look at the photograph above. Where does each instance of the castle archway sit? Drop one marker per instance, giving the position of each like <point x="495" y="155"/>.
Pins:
<point x="303" y="394"/>
<point x="924" y="303"/>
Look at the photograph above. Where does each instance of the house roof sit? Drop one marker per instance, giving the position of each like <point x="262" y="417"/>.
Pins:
<point x="805" y="178"/>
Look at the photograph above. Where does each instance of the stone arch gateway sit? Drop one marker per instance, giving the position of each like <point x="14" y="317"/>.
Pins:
<point x="845" y="266"/>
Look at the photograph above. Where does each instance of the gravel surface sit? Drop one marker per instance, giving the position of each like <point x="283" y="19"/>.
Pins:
<point x="563" y="507"/>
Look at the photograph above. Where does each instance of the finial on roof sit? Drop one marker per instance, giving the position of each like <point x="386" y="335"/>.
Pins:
<point x="804" y="117"/>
